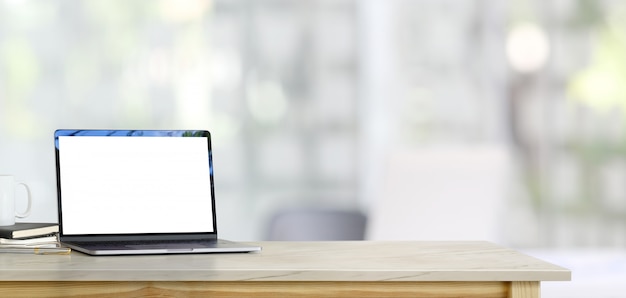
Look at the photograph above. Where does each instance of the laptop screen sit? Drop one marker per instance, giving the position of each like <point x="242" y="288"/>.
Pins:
<point x="113" y="182"/>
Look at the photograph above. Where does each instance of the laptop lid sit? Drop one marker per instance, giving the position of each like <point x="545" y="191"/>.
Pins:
<point x="135" y="185"/>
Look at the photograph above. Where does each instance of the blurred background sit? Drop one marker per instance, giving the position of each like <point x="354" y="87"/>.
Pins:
<point x="435" y="119"/>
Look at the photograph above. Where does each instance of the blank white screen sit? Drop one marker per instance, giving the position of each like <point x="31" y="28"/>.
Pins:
<point x="121" y="185"/>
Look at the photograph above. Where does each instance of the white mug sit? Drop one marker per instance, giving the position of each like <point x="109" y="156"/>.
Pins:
<point x="7" y="200"/>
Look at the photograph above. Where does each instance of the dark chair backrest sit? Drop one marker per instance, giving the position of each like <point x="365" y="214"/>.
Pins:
<point x="313" y="224"/>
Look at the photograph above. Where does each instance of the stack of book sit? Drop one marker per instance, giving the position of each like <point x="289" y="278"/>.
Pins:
<point x="28" y="236"/>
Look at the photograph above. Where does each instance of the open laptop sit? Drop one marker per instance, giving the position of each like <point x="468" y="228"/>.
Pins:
<point x="138" y="192"/>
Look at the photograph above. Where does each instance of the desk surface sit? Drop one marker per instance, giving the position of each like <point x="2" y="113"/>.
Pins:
<point x="297" y="261"/>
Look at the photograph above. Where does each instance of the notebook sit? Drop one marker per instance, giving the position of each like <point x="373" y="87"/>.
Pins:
<point x="138" y="192"/>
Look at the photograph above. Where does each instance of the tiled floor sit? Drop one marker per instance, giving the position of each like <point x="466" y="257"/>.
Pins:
<point x="596" y="273"/>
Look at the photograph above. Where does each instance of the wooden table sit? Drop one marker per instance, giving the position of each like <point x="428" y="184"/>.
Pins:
<point x="288" y="269"/>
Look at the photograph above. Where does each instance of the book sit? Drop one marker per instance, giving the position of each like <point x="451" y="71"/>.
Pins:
<point x="43" y="241"/>
<point x="28" y="230"/>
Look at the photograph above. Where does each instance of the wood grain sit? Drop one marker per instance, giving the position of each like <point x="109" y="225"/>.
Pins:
<point x="525" y="289"/>
<point x="341" y="261"/>
<point x="444" y="269"/>
<point x="259" y="289"/>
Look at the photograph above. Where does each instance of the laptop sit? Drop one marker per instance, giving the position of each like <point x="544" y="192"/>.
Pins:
<point x="123" y="192"/>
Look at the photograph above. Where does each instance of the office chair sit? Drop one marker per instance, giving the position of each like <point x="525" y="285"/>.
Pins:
<point x="316" y="224"/>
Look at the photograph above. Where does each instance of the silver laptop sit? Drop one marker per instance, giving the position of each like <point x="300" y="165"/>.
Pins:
<point x="138" y="192"/>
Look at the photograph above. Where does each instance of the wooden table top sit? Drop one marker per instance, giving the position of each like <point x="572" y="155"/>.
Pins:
<point x="298" y="261"/>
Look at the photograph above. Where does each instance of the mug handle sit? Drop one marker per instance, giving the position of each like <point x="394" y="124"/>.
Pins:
<point x="28" y="205"/>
